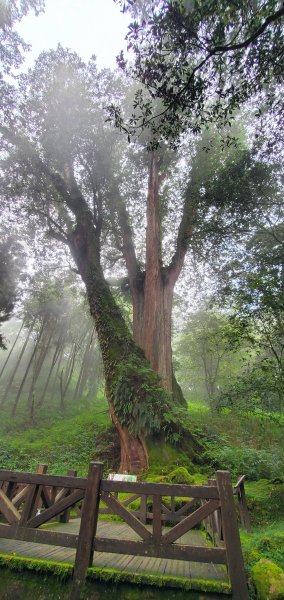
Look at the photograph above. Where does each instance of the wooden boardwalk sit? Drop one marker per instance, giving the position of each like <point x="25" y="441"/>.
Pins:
<point x="121" y="562"/>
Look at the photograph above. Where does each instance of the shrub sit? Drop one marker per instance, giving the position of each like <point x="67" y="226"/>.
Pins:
<point x="255" y="464"/>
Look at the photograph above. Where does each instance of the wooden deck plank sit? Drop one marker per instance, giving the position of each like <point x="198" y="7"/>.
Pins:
<point x="134" y="563"/>
<point x="122" y="562"/>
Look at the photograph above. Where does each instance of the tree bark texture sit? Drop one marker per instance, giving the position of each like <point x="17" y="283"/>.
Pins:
<point x="152" y="294"/>
<point x="115" y="340"/>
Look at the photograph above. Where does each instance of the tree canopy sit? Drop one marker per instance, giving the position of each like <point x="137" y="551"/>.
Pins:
<point x="11" y="44"/>
<point x="199" y="61"/>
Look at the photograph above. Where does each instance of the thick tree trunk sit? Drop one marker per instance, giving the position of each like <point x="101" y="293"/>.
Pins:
<point x="152" y="290"/>
<point x="155" y="310"/>
<point x="157" y="328"/>
<point x="116" y="342"/>
<point x="133" y="451"/>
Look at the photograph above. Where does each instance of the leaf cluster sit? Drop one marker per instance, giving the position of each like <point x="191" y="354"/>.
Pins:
<point x="202" y="59"/>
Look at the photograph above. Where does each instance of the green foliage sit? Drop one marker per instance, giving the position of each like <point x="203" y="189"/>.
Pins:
<point x="265" y="501"/>
<point x="256" y="464"/>
<point x="209" y="350"/>
<point x="252" y="282"/>
<point x="138" y="397"/>
<point x="273" y="547"/>
<point x="258" y="388"/>
<point x="199" y="62"/>
<point x="264" y="542"/>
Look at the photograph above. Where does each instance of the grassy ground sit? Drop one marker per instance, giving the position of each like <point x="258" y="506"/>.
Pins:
<point x="63" y="441"/>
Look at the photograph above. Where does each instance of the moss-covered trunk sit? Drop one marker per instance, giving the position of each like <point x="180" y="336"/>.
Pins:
<point x="134" y="392"/>
<point x="117" y="348"/>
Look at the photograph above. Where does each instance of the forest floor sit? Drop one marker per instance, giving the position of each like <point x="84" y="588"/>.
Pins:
<point x="247" y="444"/>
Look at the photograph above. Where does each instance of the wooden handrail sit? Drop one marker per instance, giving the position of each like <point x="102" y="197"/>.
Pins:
<point x="160" y="489"/>
<point x="239" y="482"/>
<point x="47" y="480"/>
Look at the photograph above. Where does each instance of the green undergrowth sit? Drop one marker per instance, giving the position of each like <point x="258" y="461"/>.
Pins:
<point x="263" y="551"/>
<point x="265" y="500"/>
<point x="63" y="571"/>
<point x="240" y="442"/>
<point x="66" y="443"/>
<point x="264" y="542"/>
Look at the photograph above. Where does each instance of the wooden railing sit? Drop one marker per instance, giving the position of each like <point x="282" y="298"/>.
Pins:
<point x="23" y="494"/>
<point x="239" y="490"/>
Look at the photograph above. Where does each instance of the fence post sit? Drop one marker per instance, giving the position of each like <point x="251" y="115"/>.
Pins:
<point x="65" y="516"/>
<point x="244" y="513"/>
<point x="89" y="518"/>
<point x="33" y="497"/>
<point x="232" y="537"/>
<point x="213" y="518"/>
<point x="143" y="509"/>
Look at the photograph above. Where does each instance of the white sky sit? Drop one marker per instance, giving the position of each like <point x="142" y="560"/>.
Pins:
<point x="86" y="26"/>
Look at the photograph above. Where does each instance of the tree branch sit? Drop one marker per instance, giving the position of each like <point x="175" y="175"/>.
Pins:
<point x="74" y="200"/>
<point x="228" y="48"/>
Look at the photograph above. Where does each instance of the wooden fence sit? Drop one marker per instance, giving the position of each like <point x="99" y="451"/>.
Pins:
<point x="29" y="500"/>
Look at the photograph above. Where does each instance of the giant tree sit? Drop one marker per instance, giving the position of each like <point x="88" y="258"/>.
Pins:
<point x="67" y="171"/>
<point x="56" y="152"/>
<point x="198" y="62"/>
<point x="196" y="203"/>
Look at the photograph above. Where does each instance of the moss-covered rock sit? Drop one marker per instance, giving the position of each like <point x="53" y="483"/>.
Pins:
<point x="180" y="475"/>
<point x="165" y="458"/>
<point x="268" y="579"/>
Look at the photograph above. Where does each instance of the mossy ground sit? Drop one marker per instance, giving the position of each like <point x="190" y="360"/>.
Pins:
<point x="28" y="585"/>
